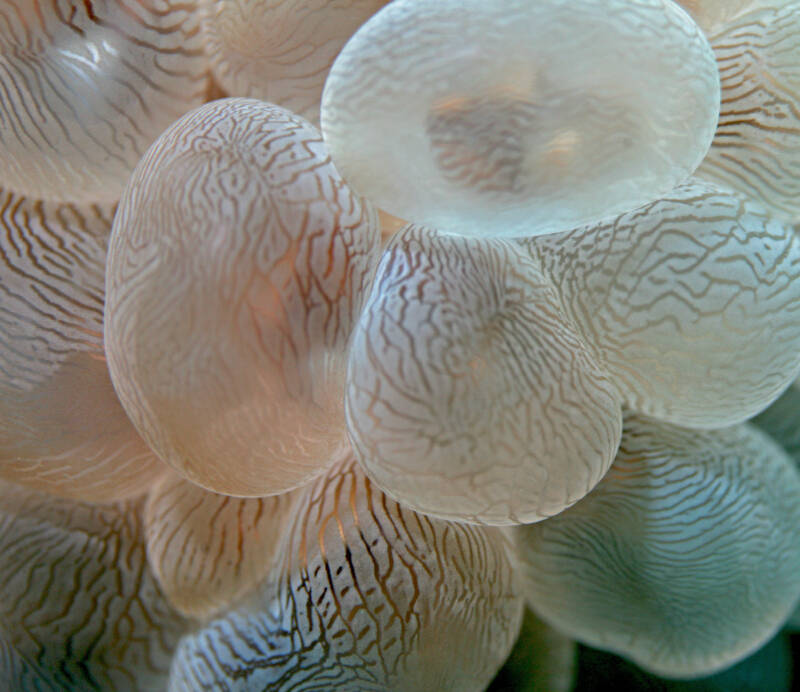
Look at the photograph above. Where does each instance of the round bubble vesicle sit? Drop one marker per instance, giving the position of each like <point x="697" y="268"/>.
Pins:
<point x="520" y="118"/>
<point x="235" y="272"/>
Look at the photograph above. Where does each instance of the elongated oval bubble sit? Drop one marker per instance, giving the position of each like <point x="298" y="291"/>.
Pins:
<point x="80" y="608"/>
<point x="206" y="549"/>
<point x="520" y="118"/>
<point x="235" y="273"/>
<point x="87" y="87"/>
<point x="280" y="50"/>
<point x="469" y="396"/>
<point x="62" y="428"/>
<point x="691" y="302"/>
<point x="369" y="596"/>
<point x="756" y="149"/>
<point x="684" y="558"/>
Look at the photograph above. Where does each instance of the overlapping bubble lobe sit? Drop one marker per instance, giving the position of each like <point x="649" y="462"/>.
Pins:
<point x="368" y="596"/>
<point x="469" y="396"/>
<point x="207" y="550"/>
<point x="520" y="118"/>
<point x="62" y="428"/>
<point x="235" y="273"/>
<point x="684" y="558"/>
<point x="81" y="609"/>
<point x="280" y="50"/>
<point x="692" y="302"/>
<point x="87" y="87"/>
<point x="756" y="148"/>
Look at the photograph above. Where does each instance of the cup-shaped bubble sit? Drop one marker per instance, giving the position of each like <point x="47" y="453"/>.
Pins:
<point x="206" y="549"/>
<point x="80" y="608"/>
<point x="518" y="118"/>
<point x="369" y="596"/>
<point x="692" y="302"/>
<point x="469" y="396"/>
<point x="235" y="273"/>
<point x="756" y="149"/>
<point x="87" y="87"/>
<point x="684" y="558"/>
<point x="280" y="50"/>
<point x="62" y="428"/>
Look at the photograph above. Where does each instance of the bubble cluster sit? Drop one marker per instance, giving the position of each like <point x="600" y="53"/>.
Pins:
<point x="499" y="365"/>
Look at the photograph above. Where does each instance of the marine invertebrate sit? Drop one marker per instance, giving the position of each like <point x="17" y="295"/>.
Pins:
<point x="468" y="394"/>
<point x="368" y="595"/>
<point x="235" y="271"/>
<point x="690" y="533"/>
<point x="691" y="302"/>
<point x="531" y="118"/>
<point x="87" y="86"/>
<point x="207" y="550"/>
<point x="756" y="148"/>
<point x="81" y="609"/>
<point x="280" y="50"/>
<point x="62" y="428"/>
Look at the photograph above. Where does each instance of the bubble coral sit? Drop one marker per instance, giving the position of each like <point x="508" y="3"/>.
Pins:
<point x="684" y="558"/>
<point x="468" y="395"/>
<point x="62" y="428"/>
<point x="234" y="276"/>
<point x="369" y="595"/>
<point x="87" y="86"/>
<point x="531" y="117"/>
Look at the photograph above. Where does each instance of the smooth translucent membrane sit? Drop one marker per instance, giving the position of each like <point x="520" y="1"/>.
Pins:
<point x="369" y="596"/>
<point x="469" y="396"/>
<point x="207" y="549"/>
<point x="684" y="558"/>
<point x="520" y="118"/>
<point x="280" y="50"/>
<point x="62" y="428"/>
<point x="80" y="608"/>
<point x="691" y="302"/>
<point x="87" y="86"/>
<point x="236" y="267"/>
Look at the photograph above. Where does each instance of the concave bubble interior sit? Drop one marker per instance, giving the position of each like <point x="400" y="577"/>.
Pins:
<point x="520" y="118"/>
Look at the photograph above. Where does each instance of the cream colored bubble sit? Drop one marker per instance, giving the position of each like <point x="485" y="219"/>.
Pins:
<point x="80" y="608"/>
<point x="369" y="595"/>
<point x="62" y="428"/>
<point x="86" y="88"/>
<point x="684" y="558"/>
<point x="756" y="149"/>
<point x="691" y="302"/>
<point x="207" y="550"/>
<point x="520" y="118"/>
<point x="711" y="14"/>
<point x="236" y="269"/>
<point x="469" y="396"/>
<point x="280" y="50"/>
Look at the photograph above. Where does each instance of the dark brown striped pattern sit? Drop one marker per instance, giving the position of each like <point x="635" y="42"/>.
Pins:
<point x="370" y="596"/>
<point x="685" y="557"/>
<point x="80" y="609"/>
<point x="691" y="302"/>
<point x="469" y="396"/>
<point x="756" y="149"/>
<point x="280" y="50"/>
<point x="86" y="86"/>
<point x="207" y="549"/>
<point x="237" y="266"/>
<point x="61" y="426"/>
